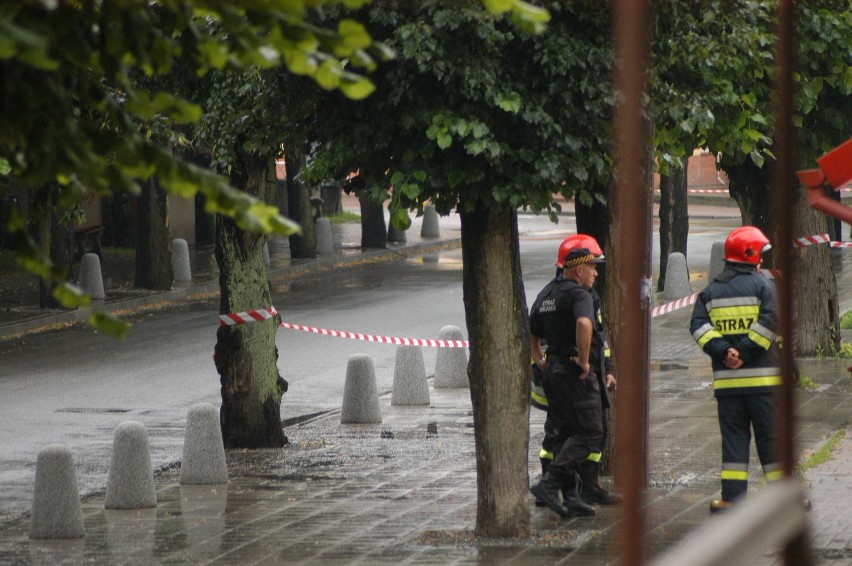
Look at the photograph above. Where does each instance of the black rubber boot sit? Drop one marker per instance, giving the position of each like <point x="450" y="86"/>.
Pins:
<point x="545" y="463"/>
<point x="548" y="491"/>
<point x="569" y="488"/>
<point x="576" y="507"/>
<point x="591" y="491"/>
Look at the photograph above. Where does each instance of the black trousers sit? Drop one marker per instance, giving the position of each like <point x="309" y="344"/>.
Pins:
<point x="576" y="415"/>
<point x="738" y="414"/>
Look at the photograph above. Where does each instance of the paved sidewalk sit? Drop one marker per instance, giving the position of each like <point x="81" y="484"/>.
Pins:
<point x="365" y="494"/>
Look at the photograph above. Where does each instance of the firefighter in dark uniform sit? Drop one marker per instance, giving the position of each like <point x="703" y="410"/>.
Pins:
<point x="601" y="360"/>
<point x="734" y="321"/>
<point x="563" y="315"/>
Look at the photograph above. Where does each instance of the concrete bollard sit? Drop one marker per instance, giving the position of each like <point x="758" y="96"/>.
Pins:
<point x="430" y="228"/>
<point x="203" y="459"/>
<point x="451" y="363"/>
<point x="130" y="483"/>
<point x="266" y="261"/>
<point x="677" y="278"/>
<point x="180" y="261"/>
<point x="409" y="377"/>
<point x="717" y="260"/>
<point x="57" y="512"/>
<point x="360" y="396"/>
<point x="91" y="280"/>
<point x="325" y="238"/>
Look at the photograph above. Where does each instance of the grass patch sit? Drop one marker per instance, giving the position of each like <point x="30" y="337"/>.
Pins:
<point x="343" y="217"/>
<point x="806" y="382"/>
<point x="845" y="351"/>
<point x="846" y="320"/>
<point x="822" y="455"/>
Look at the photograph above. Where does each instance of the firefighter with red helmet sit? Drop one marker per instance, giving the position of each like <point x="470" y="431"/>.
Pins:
<point x="590" y="489"/>
<point x="563" y="315"/>
<point x="734" y="321"/>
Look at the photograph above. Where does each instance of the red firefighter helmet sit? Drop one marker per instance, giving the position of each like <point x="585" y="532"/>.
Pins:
<point x="578" y="242"/>
<point x="745" y="245"/>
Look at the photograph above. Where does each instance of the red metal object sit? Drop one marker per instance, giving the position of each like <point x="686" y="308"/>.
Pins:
<point x="835" y="170"/>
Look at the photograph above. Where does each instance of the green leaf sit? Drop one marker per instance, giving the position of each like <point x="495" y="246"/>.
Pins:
<point x="71" y="296"/>
<point x="357" y="89"/>
<point x="5" y="168"/>
<point x="354" y="35"/>
<point x="109" y="324"/>
<point x="400" y="219"/>
<point x="510" y="102"/>
<point x="498" y="6"/>
<point x="445" y="140"/>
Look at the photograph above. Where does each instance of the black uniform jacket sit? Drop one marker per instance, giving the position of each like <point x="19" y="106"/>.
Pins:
<point x="739" y="309"/>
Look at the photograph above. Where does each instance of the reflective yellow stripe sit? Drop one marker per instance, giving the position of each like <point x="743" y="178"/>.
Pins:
<point x="774" y="475"/>
<point x="735" y="319"/>
<point x="607" y="353"/>
<point x="594" y="457"/>
<point x="735" y="475"/>
<point x="758" y="339"/>
<point x="540" y="399"/>
<point x="545" y="454"/>
<point x="747" y="382"/>
<point x="706" y="337"/>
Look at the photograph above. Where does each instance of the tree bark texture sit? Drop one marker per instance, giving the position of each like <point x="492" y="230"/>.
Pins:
<point x="595" y="220"/>
<point x="674" y="218"/>
<point x="748" y="184"/>
<point x="619" y="296"/>
<point x="302" y="246"/>
<point x="154" y="244"/>
<point x="56" y="239"/>
<point x="119" y="220"/>
<point x="374" y="233"/>
<point x="499" y="366"/>
<point x="246" y="354"/>
<point x="816" y="313"/>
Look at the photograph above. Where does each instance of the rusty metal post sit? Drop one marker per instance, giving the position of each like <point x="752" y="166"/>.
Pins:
<point x="630" y="131"/>
<point x="784" y="186"/>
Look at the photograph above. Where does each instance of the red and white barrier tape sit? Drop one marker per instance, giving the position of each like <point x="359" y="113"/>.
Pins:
<point x="379" y="339"/>
<point x="674" y="305"/>
<point x="812" y="240"/>
<point x="243" y="317"/>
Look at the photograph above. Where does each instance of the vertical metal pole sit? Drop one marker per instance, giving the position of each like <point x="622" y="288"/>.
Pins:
<point x="783" y="200"/>
<point x="630" y="132"/>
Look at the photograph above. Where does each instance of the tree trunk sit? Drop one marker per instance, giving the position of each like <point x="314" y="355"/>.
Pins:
<point x="118" y="220"/>
<point x="674" y="218"/>
<point x="748" y="184"/>
<point x="495" y="311"/>
<point x="246" y="354"/>
<point x="374" y="233"/>
<point x="619" y="296"/>
<point x="816" y="311"/>
<point x="154" y="244"/>
<point x="302" y="246"/>
<point x="56" y="239"/>
<point x="595" y="220"/>
<point x="331" y="201"/>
